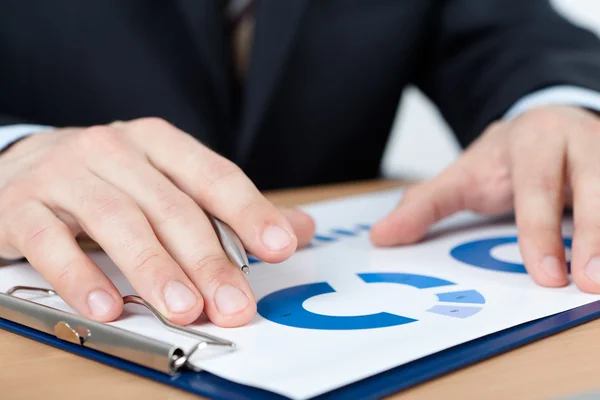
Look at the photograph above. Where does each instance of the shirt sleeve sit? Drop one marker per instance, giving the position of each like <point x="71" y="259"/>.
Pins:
<point x="11" y="133"/>
<point x="556" y="95"/>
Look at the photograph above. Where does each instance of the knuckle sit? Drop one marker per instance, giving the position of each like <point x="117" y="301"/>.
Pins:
<point x="173" y="203"/>
<point x="106" y="208"/>
<point x="540" y="118"/>
<point x="541" y="126"/>
<point x="470" y="191"/>
<point x="35" y="234"/>
<point x="66" y="274"/>
<point x="152" y="128"/>
<point x="153" y="123"/>
<point x="485" y="190"/>
<point x="492" y="130"/>
<point x="249" y="210"/>
<point x="21" y="227"/>
<point x="210" y="267"/>
<point x="470" y="178"/>
<point x="144" y="261"/>
<point x="548" y="184"/>
<point x="99" y="139"/>
<point x="219" y="170"/>
<point x="216" y="276"/>
<point x="32" y="234"/>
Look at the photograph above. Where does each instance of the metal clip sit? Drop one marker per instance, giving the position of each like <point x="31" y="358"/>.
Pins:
<point x="107" y="338"/>
<point x="212" y="340"/>
<point x="14" y="289"/>
<point x="77" y="335"/>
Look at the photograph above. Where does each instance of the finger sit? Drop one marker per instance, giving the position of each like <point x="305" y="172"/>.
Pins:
<point x="219" y="187"/>
<point x="302" y="224"/>
<point x="187" y="234"/>
<point x="420" y="207"/>
<point x="50" y="247"/>
<point x="584" y="169"/>
<point x="117" y="224"/>
<point x="538" y="187"/>
<point x="479" y="181"/>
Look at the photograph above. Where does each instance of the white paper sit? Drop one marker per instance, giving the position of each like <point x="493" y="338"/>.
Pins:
<point x="301" y="362"/>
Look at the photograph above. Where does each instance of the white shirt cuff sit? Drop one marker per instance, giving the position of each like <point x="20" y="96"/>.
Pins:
<point x="11" y="133"/>
<point x="556" y="95"/>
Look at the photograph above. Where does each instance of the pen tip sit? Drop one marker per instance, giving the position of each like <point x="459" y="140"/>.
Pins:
<point x="245" y="269"/>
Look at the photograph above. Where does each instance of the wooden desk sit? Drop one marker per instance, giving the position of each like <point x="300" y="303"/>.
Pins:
<point x="563" y="364"/>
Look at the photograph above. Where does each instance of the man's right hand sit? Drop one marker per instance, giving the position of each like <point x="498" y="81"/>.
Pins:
<point x="139" y="189"/>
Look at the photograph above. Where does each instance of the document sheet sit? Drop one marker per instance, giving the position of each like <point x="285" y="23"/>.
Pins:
<point x="342" y="310"/>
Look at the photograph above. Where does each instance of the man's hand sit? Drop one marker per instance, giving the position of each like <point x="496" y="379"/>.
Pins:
<point x="139" y="189"/>
<point x="538" y="164"/>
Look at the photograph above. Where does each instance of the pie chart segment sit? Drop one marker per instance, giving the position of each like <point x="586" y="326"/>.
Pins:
<point x="286" y="306"/>
<point x="455" y="311"/>
<point x="478" y="253"/>
<point x="417" y="281"/>
<point x="465" y="296"/>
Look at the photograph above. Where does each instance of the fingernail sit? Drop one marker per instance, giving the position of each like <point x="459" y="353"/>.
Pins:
<point x="552" y="267"/>
<point x="100" y="303"/>
<point x="275" y="238"/>
<point x="230" y="300"/>
<point x="592" y="270"/>
<point x="178" y="297"/>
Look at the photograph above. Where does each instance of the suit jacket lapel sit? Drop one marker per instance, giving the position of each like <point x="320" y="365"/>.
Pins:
<point x="275" y="28"/>
<point x="204" y="21"/>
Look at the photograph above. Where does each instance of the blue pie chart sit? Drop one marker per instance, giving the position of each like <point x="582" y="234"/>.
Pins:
<point x="478" y="253"/>
<point x="285" y="306"/>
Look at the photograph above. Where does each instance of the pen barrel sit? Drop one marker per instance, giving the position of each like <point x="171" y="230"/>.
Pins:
<point x="107" y="339"/>
<point x="231" y="243"/>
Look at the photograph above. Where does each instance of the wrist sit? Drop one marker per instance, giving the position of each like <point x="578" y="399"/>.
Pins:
<point x="21" y="140"/>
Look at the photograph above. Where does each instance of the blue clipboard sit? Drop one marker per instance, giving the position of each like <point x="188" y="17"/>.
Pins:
<point x="375" y="387"/>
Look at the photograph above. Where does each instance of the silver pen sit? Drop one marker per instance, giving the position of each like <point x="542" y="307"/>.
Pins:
<point x="231" y="243"/>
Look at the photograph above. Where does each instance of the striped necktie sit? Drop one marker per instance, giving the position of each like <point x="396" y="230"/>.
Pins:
<point x="240" y="16"/>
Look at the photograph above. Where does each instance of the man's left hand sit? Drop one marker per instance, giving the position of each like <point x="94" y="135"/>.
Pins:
<point x="536" y="164"/>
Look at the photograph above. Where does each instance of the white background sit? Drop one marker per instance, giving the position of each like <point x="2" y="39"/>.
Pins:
<point x="421" y="144"/>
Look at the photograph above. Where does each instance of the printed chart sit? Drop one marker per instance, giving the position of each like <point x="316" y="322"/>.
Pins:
<point x="285" y="306"/>
<point x="480" y="254"/>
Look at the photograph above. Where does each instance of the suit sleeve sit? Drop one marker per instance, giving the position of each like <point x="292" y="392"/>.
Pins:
<point x="10" y="120"/>
<point x="482" y="56"/>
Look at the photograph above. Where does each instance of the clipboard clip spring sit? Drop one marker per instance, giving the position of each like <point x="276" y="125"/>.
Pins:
<point x="79" y="334"/>
<point x="62" y="330"/>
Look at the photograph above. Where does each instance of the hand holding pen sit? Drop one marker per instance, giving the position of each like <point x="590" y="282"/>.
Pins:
<point x="142" y="190"/>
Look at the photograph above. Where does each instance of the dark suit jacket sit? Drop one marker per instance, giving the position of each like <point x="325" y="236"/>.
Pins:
<point x="324" y="81"/>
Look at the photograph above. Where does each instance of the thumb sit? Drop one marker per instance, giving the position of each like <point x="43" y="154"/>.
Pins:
<point x="421" y="206"/>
